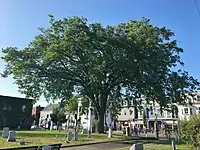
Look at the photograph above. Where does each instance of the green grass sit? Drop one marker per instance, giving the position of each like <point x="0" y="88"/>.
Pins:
<point x="33" y="138"/>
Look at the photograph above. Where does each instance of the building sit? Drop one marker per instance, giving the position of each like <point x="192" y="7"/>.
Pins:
<point x="36" y="113"/>
<point x="45" y="117"/>
<point x="15" y="112"/>
<point x="46" y="112"/>
<point x="130" y="115"/>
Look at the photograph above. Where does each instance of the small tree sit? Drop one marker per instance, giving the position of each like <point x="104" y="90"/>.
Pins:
<point x="58" y="116"/>
<point x="190" y="131"/>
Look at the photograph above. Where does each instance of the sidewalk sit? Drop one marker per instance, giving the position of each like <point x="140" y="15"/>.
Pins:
<point x="102" y="146"/>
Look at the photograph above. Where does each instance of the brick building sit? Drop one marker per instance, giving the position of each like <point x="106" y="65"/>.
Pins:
<point x="15" y="112"/>
<point x="36" y="112"/>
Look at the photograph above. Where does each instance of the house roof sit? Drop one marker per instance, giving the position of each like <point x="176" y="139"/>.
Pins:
<point x="12" y="97"/>
<point x="50" y="107"/>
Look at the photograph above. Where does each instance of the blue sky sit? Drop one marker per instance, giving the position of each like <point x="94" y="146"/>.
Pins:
<point x="19" y="20"/>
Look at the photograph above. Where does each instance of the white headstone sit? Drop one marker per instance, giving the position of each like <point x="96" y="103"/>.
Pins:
<point x="12" y="136"/>
<point x="75" y="136"/>
<point x="5" y="132"/>
<point x="110" y="132"/>
<point x="51" y="127"/>
<point x="46" y="148"/>
<point x="69" y="137"/>
<point x="137" y="146"/>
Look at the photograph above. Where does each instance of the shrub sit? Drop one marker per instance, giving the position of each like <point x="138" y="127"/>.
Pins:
<point x="190" y="131"/>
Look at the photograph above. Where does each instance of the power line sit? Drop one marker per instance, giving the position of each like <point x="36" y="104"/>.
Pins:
<point x="197" y="7"/>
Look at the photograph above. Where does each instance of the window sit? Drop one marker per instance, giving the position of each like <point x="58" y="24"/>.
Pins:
<point x="23" y="108"/>
<point x="151" y="109"/>
<point x="186" y="110"/>
<point x="198" y="97"/>
<point x="131" y="112"/>
<point x="122" y="102"/>
<point x="125" y="103"/>
<point x="190" y="111"/>
<point x="9" y="108"/>
<point x="4" y="107"/>
<point x="124" y="112"/>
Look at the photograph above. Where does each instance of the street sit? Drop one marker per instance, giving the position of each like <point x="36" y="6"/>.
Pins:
<point x="105" y="146"/>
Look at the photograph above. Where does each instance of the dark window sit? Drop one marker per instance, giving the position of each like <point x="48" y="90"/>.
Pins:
<point x="124" y="112"/>
<point x="131" y="112"/>
<point x="190" y="111"/>
<point x="186" y="110"/>
<point x="198" y="97"/>
<point x="9" y="108"/>
<point x="5" y="107"/>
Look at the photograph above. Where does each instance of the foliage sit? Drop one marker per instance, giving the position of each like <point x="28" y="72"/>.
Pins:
<point x="91" y="60"/>
<point x="190" y="131"/>
<point x="58" y="115"/>
<point x="71" y="105"/>
<point x="33" y="118"/>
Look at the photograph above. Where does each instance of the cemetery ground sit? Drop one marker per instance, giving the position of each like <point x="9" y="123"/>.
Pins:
<point x="44" y="137"/>
<point x="35" y="138"/>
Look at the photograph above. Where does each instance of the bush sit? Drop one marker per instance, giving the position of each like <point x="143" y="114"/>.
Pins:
<point x="190" y="131"/>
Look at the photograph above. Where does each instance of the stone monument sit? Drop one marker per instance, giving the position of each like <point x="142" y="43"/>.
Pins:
<point x="21" y="142"/>
<point x="46" y="148"/>
<point x="137" y="146"/>
<point x="12" y="136"/>
<point x="5" y="132"/>
<point x="69" y="137"/>
<point x="75" y="135"/>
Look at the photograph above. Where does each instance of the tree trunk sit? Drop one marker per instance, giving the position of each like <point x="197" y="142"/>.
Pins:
<point x="101" y="121"/>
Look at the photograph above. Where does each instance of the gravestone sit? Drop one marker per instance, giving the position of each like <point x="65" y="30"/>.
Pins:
<point x="127" y="131"/>
<point x="137" y="146"/>
<point x="110" y="132"/>
<point x="46" y="148"/>
<point x="75" y="135"/>
<point x="21" y="142"/>
<point x="5" y="132"/>
<point x="12" y="136"/>
<point x="69" y="137"/>
<point x="89" y="134"/>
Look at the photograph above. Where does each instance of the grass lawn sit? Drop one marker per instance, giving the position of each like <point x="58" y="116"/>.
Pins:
<point x="32" y="138"/>
<point x="155" y="146"/>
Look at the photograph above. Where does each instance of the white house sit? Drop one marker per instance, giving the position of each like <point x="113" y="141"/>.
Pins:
<point x="45" y="114"/>
<point x="134" y="116"/>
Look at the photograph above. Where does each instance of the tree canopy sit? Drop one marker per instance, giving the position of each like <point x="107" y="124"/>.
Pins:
<point x="71" y="105"/>
<point x="134" y="58"/>
<point x="58" y="115"/>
